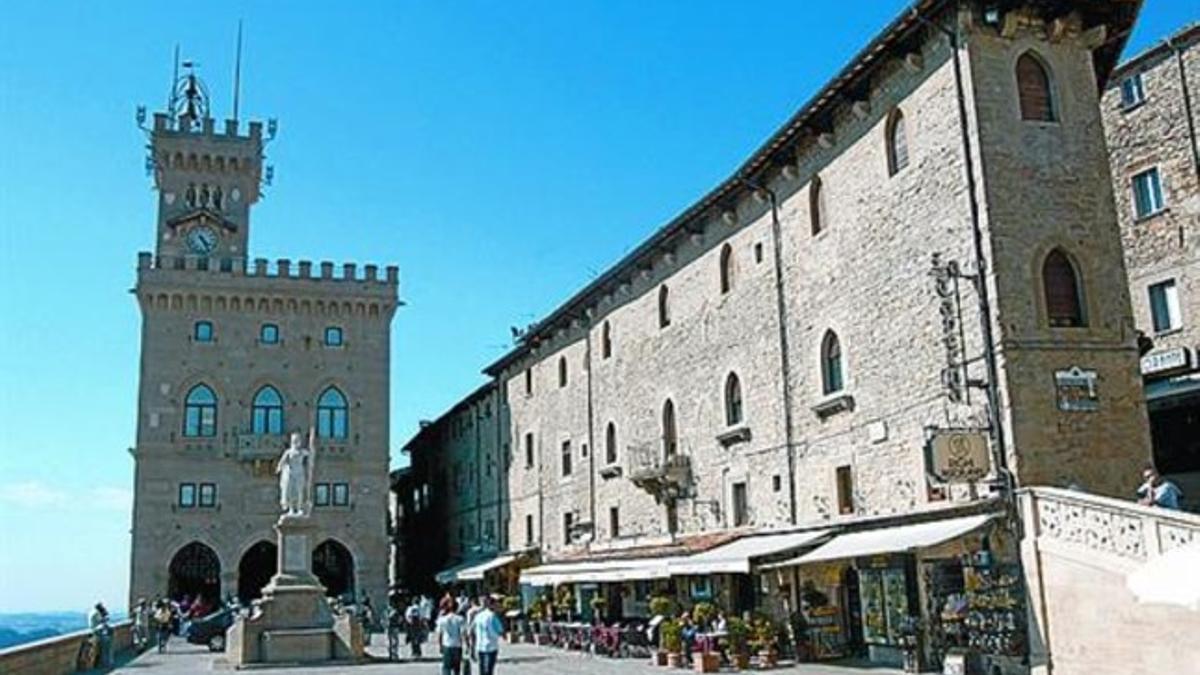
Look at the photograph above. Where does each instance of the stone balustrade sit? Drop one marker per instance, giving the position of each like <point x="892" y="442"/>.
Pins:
<point x="58" y="654"/>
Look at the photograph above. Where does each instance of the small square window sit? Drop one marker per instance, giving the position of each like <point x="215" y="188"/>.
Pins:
<point x="341" y="494"/>
<point x="208" y="495"/>
<point x="1147" y="193"/>
<point x="333" y="336"/>
<point x="187" y="495"/>
<point x="202" y="331"/>
<point x="758" y="252"/>
<point x="321" y="496"/>
<point x="1164" y="306"/>
<point x="776" y="483"/>
<point x="1132" y="91"/>
<point x="268" y="334"/>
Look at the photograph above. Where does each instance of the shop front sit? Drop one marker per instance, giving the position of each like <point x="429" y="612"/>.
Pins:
<point x="1172" y="385"/>
<point x="916" y="596"/>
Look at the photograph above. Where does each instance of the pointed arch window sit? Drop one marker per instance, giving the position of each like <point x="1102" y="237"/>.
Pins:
<point x="831" y="364"/>
<point x="664" y="306"/>
<point x="610" y="443"/>
<point x="733" y="400"/>
<point x="726" y="268"/>
<point x="816" y="205"/>
<point x="200" y="412"/>
<point x="670" y="433"/>
<point x="562" y="371"/>
<point x="1061" y="286"/>
<point x="266" y="412"/>
<point x="1034" y="89"/>
<point x="332" y="414"/>
<point x="606" y="341"/>
<point x="897" y="143"/>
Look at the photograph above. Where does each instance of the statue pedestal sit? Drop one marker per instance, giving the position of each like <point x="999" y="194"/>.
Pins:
<point x="292" y="623"/>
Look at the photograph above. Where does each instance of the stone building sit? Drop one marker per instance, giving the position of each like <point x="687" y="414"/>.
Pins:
<point x="779" y="354"/>
<point x="1150" y="111"/>
<point x="236" y="354"/>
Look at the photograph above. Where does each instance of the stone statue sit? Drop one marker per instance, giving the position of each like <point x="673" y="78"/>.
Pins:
<point x="295" y="469"/>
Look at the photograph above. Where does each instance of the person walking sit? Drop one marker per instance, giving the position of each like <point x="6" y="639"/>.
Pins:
<point x="162" y="624"/>
<point x="415" y="629"/>
<point x="486" y="629"/>
<point x="102" y="634"/>
<point x="449" y="632"/>
<point x="141" y="625"/>
<point x="395" y="625"/>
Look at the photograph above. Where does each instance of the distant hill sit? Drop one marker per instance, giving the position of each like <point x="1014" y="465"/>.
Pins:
<point x="22" y="627"/>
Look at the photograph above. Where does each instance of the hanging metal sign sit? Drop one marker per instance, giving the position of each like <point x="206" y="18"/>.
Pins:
<point x="959" y="456"/>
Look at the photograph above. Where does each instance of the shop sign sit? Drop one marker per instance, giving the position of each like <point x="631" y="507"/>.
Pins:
<point x="1075" y="390"/>
<point x="959" y="456"/>
<point x="1157" y="363"/>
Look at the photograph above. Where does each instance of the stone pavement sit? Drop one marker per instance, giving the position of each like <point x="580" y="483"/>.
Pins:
<point x="526" y="659"/>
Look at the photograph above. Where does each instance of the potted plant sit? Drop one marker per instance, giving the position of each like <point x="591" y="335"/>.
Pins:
<point x="599" y="607"/>
<point x="511" y="606"/>
<point x="763" y="639"/>
<point x="661" y="605"/>
<point x="739" y="643"/>
<point x="707" y="661"/>
<point x="671" y="641"/>
<point x="540" y="611"/>
<point x="564" y="602"/>
<point x="703" y="613"/>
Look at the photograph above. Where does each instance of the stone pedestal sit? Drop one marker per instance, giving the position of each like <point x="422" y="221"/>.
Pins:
<point x="292" y="623"/>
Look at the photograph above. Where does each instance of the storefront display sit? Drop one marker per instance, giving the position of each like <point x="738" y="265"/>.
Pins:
<point x="975" y="605"/>
<point x="887" y="589"/>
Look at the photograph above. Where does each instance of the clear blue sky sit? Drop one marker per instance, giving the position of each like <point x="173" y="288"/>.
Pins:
<point x="501" y="153"/>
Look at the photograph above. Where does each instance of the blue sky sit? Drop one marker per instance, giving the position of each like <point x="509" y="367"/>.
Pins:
<point x="502" y="154"/>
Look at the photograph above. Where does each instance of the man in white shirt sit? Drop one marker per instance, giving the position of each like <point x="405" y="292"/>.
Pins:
<point x="487" y="629"/>
<point x="450" y="637"/>
<point x="102" y="632"/>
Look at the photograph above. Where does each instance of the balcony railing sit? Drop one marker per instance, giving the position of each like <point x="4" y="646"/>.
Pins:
<point x="664" y="476"/>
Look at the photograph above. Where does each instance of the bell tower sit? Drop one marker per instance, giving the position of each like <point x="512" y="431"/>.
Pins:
<point x="207" y="178"/>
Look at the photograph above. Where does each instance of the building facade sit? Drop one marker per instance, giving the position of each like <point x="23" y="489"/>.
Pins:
<point x="1150" y="119"/>
<point x="783" y="352"/>
<point x="235" y="356"/>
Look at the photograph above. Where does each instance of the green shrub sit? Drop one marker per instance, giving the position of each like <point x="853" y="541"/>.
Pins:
<point x="671" y="636"/>
<point x="661" y="605"/>
<point x="703" y="612"/>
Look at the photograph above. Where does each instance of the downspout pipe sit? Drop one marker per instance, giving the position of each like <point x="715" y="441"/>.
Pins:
<point x="995" y="428"/>
<point x="784" y="349"/>
<point x="591" y="425"/>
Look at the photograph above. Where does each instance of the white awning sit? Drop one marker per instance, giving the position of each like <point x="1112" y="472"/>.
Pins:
<point x="890" y="540"/>
<point x="476" y="572"/>
<point x="603" y="571"/>
<point x="450" y="574"/>
<point x="736" y="557"/>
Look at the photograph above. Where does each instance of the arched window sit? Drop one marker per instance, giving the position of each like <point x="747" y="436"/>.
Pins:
<point x="200" y="412"/>
<point x="606" y="341"/>
<point x="562" y="371"/>
<point x="332" y="417"/>
<point x="266" y="413"/>
<point x="831" y="363"/>
<point x="1061" y="285"/>
<point x="733" y="400"/>
<point x="1033" y="89"/>
<point x="610" y="443"/>
<point x="664" y="308"/>
<point x="897" y="143"/>
<point x="670" y="434"/>
<point x="816" y="205"/>
<point x="726" y="268"/>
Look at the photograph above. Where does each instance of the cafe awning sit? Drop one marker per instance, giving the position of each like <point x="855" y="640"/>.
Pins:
<point x="476" y="572"/>
<point x="738" y="556"/>
<point x="602" y="571"/>
<point x="889" y="540"/>
<point x="450" y="574"/>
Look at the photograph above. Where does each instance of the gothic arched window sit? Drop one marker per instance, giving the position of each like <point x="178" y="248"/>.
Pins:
<point x="726" y="268"/>
<point x="200" y="412"/>
<point x="332" y="415"/>
<point x="1034" y="89"/>
<point x="266" y="412"/>
<point x="1061" y="286"/>
<point x="670" y="434"/>
<point x="733" y="400"/>
<point x="897" y="143"/>
<point x="831" y="364"/>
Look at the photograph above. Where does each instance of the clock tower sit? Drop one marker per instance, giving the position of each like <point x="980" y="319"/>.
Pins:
<point x="207" y="178"/>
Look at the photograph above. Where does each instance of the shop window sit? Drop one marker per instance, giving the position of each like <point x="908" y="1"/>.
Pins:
<point x="1064" y="302"/>
<point x="1034" y="89"/>
<point x="1164" y="306"/>
<point x="1133" y="93"/>
<point x="187" y="495"/>
<point x="741" y="506"/>
<point x="208" y="495"/>
<point x="202" y="331"/>
<point x="614" y="522"/>
<point x="845" y="490"/>
<point x="1147" y="193"/>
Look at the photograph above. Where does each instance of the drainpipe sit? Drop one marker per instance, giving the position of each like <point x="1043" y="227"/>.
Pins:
<point x="1187" y="103"/>
<point x="784" y="358"/>
<point x="478" y="477"/>
<point x="995" y="429"/>
<point x="591" y="425"/>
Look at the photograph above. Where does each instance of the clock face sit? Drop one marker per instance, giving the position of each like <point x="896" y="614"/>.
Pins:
<point x="202" y="240"/>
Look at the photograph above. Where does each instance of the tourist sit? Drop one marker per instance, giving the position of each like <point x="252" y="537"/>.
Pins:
<point x="414" y="629"/>
<point x="367" y="616"/>
<point x="141" y="625"/>
<point x="687" y="632"/>
<point x="102" y="634"/>
<point x="395" y="624"/>
<point x="486" y="629"/>
<point x="464" y="603"/>
<point x="449" y="632"/>
<point x="162" y="624"/>
<point x="474" y="606"/>
<point x="1158" y="491"/>
<point x="720" y="624"/>
<point x="426" y="607"/>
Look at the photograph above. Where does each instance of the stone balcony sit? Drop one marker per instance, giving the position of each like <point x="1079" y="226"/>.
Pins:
<point x="665" y="477"/>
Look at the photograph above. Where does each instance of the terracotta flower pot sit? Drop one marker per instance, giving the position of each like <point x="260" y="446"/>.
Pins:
<point x="768" y="659"/>
<point x="741" y="661"/>
<point x="706" y="662"/>
<point x="658" y="658"/>
<point x="674" y="660"/>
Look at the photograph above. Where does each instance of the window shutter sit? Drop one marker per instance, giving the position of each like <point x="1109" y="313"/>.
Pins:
<point x="1062" y="291"/>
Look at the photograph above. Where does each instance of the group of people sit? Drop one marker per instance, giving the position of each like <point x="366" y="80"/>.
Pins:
<point x="165" y="617"/>
<point x="690" y="630"/>
<point x="465" y="631"/>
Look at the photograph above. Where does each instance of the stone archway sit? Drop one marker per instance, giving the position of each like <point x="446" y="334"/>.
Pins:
<point x="259" y="563"/>
<point x="333" y="564"/>
<point x="195" y="571"/>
